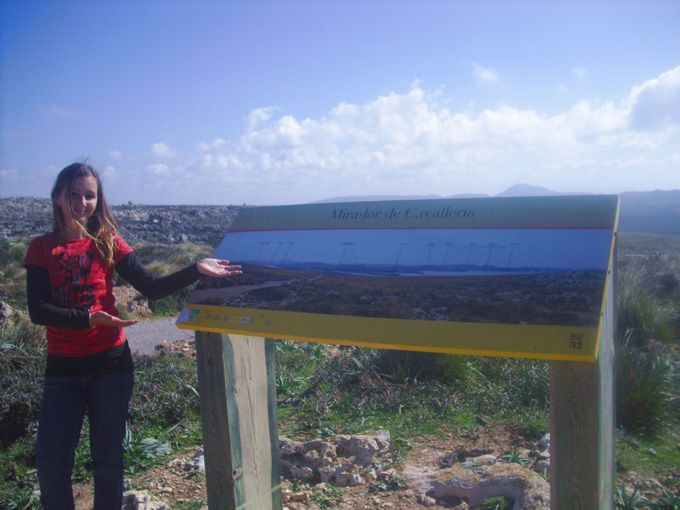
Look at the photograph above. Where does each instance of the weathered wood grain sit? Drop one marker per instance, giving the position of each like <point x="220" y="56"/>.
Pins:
<point x="582" y="423"/>
<point x="238" y="414"/>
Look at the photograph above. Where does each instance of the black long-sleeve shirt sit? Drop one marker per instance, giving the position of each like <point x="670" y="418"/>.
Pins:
<point x="39" y="291"/>
<point x="118" y="359"/>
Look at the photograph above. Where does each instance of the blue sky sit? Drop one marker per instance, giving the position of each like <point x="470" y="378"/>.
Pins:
<point x="253" y="102"/>
<point x="556" y="249"/>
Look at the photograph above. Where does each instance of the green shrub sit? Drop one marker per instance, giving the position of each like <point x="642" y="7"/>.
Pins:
<point x="514" y="457"/>
<point x="645" y="326"/>
<point x="643" y="388"/>
<point x="632" y="501"/>
<point x="641" y="313"/>
<point x="12" y="273"/>
<point x="390" y="484"/>
<point x="22" y="499"/>
<point x="174" y="256"/>
<point x="402" y="366"/>
<point x="500" y="386"/>
<point x="497" y="503"/>
<point x="5" y="248"/>
<point x="22" y="362"/>
<point x="532" y="426"/>
<point x="165" y="390"/>
<point x="142" y="454"/>
<point x="18" y="252"/>
<point x="172" y="304"/>
<point x="667" y="501"/>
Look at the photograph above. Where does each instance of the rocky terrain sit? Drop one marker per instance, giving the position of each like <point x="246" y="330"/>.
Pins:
<point x="27" y="217"/>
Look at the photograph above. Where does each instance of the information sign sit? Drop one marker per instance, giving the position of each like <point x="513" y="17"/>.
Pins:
<point x="517" y="277"/>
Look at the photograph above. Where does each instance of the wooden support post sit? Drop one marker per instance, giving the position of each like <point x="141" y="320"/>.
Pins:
<point x="238" y="415"/>
<point x="582" y="432"/>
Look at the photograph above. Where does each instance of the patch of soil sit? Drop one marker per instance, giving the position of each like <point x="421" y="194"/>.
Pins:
<point x="175" y="486"/>
<point x="169" y="483"/>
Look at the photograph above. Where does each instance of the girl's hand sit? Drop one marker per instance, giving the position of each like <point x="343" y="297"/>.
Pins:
<point x="217" y="267"/>
<point x="102" y="318"/>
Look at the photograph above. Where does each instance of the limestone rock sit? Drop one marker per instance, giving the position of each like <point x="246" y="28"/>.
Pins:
<point x="361" y="447"/>
<point x="482" y="460"/>
<point x="527" y="489"/>
<point x="5" y="311"/>
<point x="343" y="460"/>
<point x="197" y="461"/>
<point x="140" y="500"/>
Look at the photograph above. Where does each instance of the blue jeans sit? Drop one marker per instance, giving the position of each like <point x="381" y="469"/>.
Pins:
<point x="64" y="402"/>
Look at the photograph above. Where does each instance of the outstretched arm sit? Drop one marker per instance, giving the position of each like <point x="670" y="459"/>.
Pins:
<point x="132" y="270"/>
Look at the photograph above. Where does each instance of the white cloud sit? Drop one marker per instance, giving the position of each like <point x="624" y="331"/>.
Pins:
<point x="487" y="75"/>
<point x="9" y="174"/>
<point x="656" y="103"/>
<point x="215" y="144"/>
<point x="579" y="73"/>
<point x="109" y="172"/>
<point x="415" y="142"/>
<point x="259" y="116"/>
<point x="162" y="151"/>
<point x="115" y="154"/>
<point x="158" y="169"/>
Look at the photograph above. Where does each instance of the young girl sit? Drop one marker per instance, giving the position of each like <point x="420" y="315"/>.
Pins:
<point x="69" y="286"/>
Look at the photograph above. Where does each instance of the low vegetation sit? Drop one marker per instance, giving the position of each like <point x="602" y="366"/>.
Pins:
<point x="323" y="390"/>
<point x="164" y="259"/>
<point x="12" y="273"/>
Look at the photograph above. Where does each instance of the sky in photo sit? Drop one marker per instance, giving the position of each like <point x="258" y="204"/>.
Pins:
<point x="281" y="102"/>
<point x="504" y="249"/>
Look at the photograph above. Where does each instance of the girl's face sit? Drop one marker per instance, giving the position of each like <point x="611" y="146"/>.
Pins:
<point x="81" y="200"/>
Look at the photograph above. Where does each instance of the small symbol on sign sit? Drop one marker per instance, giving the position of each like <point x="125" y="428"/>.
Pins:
<point x="245" y="319"/>
<point x="576" y="341"/>
<point x="193" y="314"/>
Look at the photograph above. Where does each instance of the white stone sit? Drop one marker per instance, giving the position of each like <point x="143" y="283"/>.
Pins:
<point x="197" y="461"/>
<point x="139" y="500"/>
<point x="526" y="488"/>
<point x="301" y="497"/>
<point x="426" y="500"/>
<point x="482" y="460"/>
<point x="543" y="465"/>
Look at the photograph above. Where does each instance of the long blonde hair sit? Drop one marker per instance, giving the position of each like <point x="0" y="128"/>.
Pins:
<point x="101" y="227"/>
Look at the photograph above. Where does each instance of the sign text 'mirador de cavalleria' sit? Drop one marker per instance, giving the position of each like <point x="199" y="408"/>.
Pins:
<point x="391" y="213"/>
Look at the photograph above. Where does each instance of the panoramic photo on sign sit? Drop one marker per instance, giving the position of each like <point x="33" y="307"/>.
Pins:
<point x="521" y="277"/>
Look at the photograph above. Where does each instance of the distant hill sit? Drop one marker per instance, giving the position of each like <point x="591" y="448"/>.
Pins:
<point x="656" y="212"/>
<point x="527" y="190"/>
<point x="374" y="198"/>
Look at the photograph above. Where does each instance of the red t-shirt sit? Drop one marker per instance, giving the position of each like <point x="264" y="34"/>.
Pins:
<point x="80" y="278"/>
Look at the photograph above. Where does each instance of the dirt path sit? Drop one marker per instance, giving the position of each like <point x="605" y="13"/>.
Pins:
<point x="147" y="334"/>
